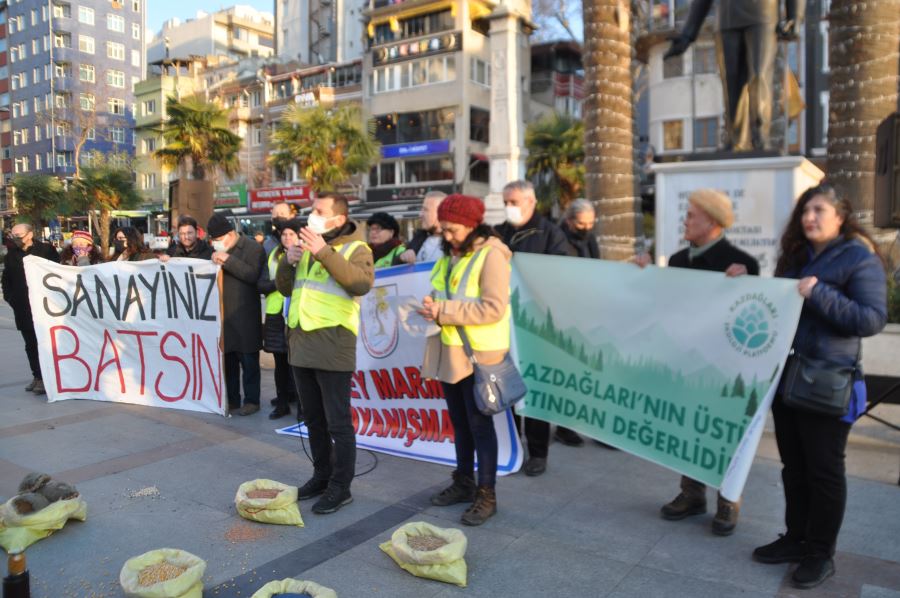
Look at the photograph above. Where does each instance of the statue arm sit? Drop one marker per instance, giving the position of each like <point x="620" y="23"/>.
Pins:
<point x="696" y="16"/>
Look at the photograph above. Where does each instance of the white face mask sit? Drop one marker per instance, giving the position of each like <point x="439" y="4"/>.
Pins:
<point x="317" y="224"/>
<point x="219" y="246"/>
<point x="514" y="214"/>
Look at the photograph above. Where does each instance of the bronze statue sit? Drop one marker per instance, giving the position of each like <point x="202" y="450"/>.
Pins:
<point x="746" y="44"/>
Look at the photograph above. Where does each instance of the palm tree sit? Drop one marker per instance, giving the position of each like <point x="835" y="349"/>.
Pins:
<point x="38" y="198"/>
<point x="197" y="132"/>
<point x="328" y="146"/>
<point x="106" y="185"/>
<point x="610" y="162"/>
<point x="555" y="160"/>
<point x="864" y="58"/>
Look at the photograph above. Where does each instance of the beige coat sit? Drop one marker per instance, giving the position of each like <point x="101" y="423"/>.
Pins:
<point x="449" y="363"/>
<point x="332" y="349"/>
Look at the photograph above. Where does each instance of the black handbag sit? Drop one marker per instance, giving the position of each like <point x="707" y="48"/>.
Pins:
<point x="816" y="386"/>
<point x="497" y="387"/>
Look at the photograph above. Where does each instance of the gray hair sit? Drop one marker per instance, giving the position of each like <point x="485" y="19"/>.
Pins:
<point x="435" y="195"/>
<point x="520" y="185"/>
<point x="28" y="228"/>
<point x="577" y="207"/>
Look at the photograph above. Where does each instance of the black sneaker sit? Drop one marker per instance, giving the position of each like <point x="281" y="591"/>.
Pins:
<point x="782" y="550"/>
<point x="334" y="499"/>
<point x="311" y="489"/>
<point x="813" y="570"/>
<point x="535" y="466"/>
<point x="568" y="437"/>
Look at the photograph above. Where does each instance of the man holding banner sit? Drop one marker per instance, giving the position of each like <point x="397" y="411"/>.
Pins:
<point x="324" y="275"/>
<point x="709" y="213"/>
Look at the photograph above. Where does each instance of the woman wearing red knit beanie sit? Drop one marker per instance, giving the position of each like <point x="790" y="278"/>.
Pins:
<point x="471" y="252"/>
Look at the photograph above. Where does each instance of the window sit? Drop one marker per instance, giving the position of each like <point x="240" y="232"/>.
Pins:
<point x="415" y="126"/>
<point x="85" y="15"/>
<point x="418" y="171"/>
<point x="257" y="135"/>
<point x="481" y="72"/>
<point x="37" y="132"/>
<point x="705" y="60"/>
<point x="479" y="170"/>
<point x="87" y="101"/>
<point x="61" y="40"/>
<point x="115" y="78"/>
<point x="91" y="134"/>
<point x="116" y="106"/>
<point x="115" y="23"/>
<point x="36" y="74"/>
<point x="149" y="180"/>
<point x="673" y="135"/>
<point x="149" y="145"/>
<point x="86" y="44"/>
<point x="149" y="107"/>
<point x="117" y="134"/>
<point x="115" y="51"/>
<point x="479" y="125"/>
<point x="135" y="58"/>
<point x="37" y="162"/>
<point x="64" y="11"/>
<point x="136" y="5"/>
<point x="706" y="133"/>
<point x="673" y="67"/>
<point x="135" y="31"/>
<point x="86" y="73"/>
<point x="425" y="71"/>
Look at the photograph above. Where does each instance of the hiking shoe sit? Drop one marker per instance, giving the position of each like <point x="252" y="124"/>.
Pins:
<point x="683" y="506"/>
<point x="38" y="388"/>
<point x="311" y="489"/>
<point x="568" y="437"/>
<point x="461" y="490"/>
<point x="726" y="518"/>
<point x="279" y="412"/>
<point x="535" y="466"/>
<point x="248" y="409"/>
<point x="30" y="387"/>
<point x="813" y="570"/>
<point x="482" y="509"/>
<point x="334" y="499"/>
<point x="782" y="550"/>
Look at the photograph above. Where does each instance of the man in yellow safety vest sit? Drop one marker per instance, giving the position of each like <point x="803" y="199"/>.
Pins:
<point x="324" y="275"/>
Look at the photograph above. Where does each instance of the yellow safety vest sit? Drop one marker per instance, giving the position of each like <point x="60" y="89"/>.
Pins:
<point x="317" y="300"/>
<point x="464" y="286"/>
<point x="388" y="260"/>
<point x="274" y="300"/>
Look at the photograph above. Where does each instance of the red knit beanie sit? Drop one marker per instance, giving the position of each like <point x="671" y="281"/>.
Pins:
<point x="461" y="209"/>
<point x="83" y="235"/>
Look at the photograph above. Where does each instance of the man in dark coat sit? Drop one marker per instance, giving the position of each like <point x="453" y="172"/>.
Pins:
<point x="527" y="231"/>
<point x="709" y="213"/>
<point x="578" y="227"/>
<point x="15" y="291"/>
<point x="242" y="259"/>
<point x="188" y="243"/>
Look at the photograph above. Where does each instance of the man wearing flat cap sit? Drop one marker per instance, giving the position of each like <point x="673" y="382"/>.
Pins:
<point x="709" y="213"/>
<point x="241" y="259"/>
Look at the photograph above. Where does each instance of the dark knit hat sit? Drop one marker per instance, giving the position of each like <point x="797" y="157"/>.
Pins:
<point x="295" y="224"/>
<point x="461" y="209"/>
<point x="385" y="221"/>
<point x="218" y="225"/>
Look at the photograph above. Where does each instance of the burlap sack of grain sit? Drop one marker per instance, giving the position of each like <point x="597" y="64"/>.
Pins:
<point x="282" y="509"/>
<point x="18" y="532"/>
<point x="188" y="584"/>
<point x="294" y="586"/>
<point x="446" y="563"/>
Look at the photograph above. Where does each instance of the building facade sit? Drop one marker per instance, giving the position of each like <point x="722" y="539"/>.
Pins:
<point x="6" y="207"/>
<point x="237" y="32"/>
<point x="557" y="79"/>
<point x="319" y="31"/>
<point x="72" y="70"/>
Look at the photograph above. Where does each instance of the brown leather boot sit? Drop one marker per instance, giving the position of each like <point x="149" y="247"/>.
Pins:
<point x="461" y="490"/>
<point x="691" y="501"/>
<point x="726" y="518"/>
<point x="484" y="507"/>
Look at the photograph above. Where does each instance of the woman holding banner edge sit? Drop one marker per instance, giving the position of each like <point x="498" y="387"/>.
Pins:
<point x="471" y="290"/>
<point x="843" y="283"/>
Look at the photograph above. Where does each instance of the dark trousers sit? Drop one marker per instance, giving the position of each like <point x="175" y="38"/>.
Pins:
<point x="474" y="432"/>
<point x="285" y="389"/>
<point x="31" y="350"/>
<point x="815" y="483"/>
<point x="325" y="400"/>
<point x="537" y="436"/>
<point x="234" y="363"/>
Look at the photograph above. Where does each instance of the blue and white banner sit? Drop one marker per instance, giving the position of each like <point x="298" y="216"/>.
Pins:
<point x="418" y="148"/>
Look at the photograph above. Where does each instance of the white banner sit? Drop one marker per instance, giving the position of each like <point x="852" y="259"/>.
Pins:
<point x="395" y="410"/>
<point x="145" y="333"/>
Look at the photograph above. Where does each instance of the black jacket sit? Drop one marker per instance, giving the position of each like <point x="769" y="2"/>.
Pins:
<point x="274" y="339"/>
<point x="586" y="247"/>
<point x="242" y="325"/>
<point x="538" y="235"/>
<point x="716" y="259"/>
<point x="201" y="250"/>
<point x="15" y="288"/>
<point x="848" y="302"/>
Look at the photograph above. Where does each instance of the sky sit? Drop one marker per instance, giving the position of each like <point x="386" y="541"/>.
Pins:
<point x="163" y="10"/>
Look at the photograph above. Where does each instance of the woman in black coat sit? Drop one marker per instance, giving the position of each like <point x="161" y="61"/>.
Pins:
<point x="843" y="283"/>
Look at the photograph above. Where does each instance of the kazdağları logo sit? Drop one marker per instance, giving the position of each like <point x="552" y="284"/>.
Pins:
<point x="751" y="329"/>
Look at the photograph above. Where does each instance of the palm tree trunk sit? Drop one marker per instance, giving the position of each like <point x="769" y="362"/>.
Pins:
<point x="104" y="232"/>
<point x="610" y="180"/>
<point x="864" y="57"/>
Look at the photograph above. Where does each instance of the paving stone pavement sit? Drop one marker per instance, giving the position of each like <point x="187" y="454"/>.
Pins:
<point x="157" y="478"/>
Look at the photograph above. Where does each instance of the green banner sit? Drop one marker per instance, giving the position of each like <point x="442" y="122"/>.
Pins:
<point x="231" y="196"/>
<point x="676" y="366"/>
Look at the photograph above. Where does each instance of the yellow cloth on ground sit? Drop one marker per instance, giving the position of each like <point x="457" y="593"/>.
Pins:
<point x="187" y="585"/>
<point x="294" y="586"/>
<point x="282" y="509"/>
<point x="446" y="563"/>
<point x="18" y="532"/>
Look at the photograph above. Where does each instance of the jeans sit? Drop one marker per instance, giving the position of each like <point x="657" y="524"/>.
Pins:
<point x="325" y="400"/>
<point x="234" y="362"/>
<point x="815" y="483"/>
<point x="475" y="433"/>
<point x="285" y="389"/>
